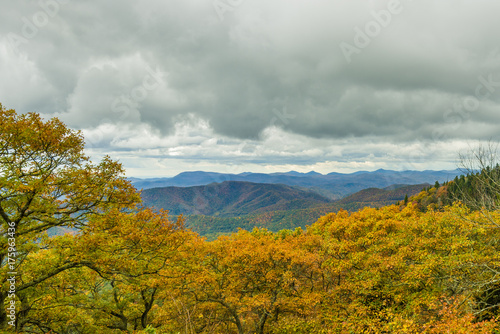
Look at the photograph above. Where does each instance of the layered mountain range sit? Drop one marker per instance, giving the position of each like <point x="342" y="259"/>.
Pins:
<point x="332" y="185"/>
<point x="279" y="200"/>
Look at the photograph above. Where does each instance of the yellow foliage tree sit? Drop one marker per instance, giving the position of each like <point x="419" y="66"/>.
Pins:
<point x="108" y="267"/>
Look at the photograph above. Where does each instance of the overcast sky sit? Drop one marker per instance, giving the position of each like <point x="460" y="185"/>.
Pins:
<point x="259" y="85"/>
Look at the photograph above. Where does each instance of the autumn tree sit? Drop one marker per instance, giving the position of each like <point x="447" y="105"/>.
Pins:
<point x="46" y="182"/>
<point x="398" y="271"/>
<point x="251" y="281"/>
<point x="89" y="258"/>
<point x="135" y="257"/>
<point x="479" y="187"/>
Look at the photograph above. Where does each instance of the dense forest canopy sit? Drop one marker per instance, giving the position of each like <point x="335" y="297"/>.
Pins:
<point x="127" y="269"/>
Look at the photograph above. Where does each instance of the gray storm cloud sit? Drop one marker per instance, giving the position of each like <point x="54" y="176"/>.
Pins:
<point x="414" y="71"/>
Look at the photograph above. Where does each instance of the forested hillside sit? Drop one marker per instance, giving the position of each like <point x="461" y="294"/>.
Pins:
<point x="130" y="269"/>
<point x="275" y="220"/>
<point x="479" y="190"/>
<point x="230" y="198"/>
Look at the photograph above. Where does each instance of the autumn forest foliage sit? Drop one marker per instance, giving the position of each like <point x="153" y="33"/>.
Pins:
<point x="124" y="268"/>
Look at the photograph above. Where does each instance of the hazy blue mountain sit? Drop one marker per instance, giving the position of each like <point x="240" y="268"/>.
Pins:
<point x="333" y="185"/>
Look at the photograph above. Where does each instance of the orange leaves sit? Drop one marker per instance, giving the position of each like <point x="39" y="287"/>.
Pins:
<point x="256" y="275"/>
<point x="384" y="260"/>
<point x="141" y="241"/>
<point x="449" y="318"/>
<point x="33" y="146"/>
<point x="399" y="263"/>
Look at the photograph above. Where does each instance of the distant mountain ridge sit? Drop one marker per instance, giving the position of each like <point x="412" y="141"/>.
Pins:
<point x="333" y="185"/>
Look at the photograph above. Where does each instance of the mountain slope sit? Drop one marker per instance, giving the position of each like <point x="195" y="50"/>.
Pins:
<point x="230" y="198"/>
<point x="211" y="226"/>
<point x="375" y="197"/>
